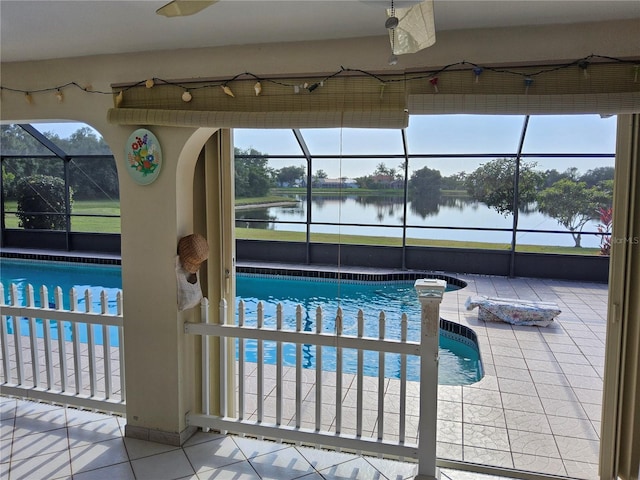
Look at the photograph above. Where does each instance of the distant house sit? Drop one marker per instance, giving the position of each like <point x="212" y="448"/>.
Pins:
<point x="336" y="183"/>
<point x="296" y="183"/>
<point x="384" y="181"/>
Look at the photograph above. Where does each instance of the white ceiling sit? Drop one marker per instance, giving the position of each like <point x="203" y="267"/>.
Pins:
<point x="34" y="30"/>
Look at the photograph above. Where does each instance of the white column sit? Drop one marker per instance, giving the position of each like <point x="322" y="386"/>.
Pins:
<point x="430" y="293"/>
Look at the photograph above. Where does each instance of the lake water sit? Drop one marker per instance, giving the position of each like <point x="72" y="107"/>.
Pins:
<point x="375" y="211"/>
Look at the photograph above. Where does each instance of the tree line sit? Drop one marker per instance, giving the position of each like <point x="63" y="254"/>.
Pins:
<point x="571" y="198"/>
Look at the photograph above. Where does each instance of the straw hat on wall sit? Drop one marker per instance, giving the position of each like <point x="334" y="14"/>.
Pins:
<point x="192" y="250"/>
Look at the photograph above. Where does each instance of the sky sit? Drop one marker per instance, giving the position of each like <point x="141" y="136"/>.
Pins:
<point x="64" y="130"/>
<point x="451" y="134"/>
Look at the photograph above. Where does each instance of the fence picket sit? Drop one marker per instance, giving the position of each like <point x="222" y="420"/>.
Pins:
<point x="360" y="376"/>
<point x="6" y="364"/>
<point x="338" y="423"/>
<point x="17" y="336"/>
<point x="106" y="347"/>
<point x="260" y="360"/>
<point x="241" y="375"/>
<point x="206" y="401"/>
<point x="73" y="306"/>
<point x="123" y="393"/>
<point x="91" y="343"/>
<point x="298" y="368"/>
<point x="279" y="367"/>
<point x="223" y="360"/>
<point x="62" y="344"/>
<point x="403" y="380"/>
<point x="33" y="338"/>
<point x="318" y="371"/>
<point x="381" y="378"/>
<point x="48" y="362"/>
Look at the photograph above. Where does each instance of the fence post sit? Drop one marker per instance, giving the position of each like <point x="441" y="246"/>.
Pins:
<point x="206" y="378"/>
<point x="430" y="293"/>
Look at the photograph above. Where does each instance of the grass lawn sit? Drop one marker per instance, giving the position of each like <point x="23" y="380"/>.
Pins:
<point x="284" y="236"/>
<point x="261" y="200"/>
<point x="81" y="223"/>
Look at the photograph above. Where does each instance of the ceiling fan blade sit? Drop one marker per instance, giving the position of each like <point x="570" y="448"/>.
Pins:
<point x="416" y="28"/>
<point x="182" y="8"/>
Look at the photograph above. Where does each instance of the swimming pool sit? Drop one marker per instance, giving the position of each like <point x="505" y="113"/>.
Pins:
<point x="460" y="361"/>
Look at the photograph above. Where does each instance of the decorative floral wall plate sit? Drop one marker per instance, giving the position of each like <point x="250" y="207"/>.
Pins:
<point x="144" y="156"/>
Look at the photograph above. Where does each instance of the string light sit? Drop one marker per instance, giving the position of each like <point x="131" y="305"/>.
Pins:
<point x="434" y="83"/>
<point x="584" y="64"/>
<point x="527" y="83"/>
<point x="477" y="71"/>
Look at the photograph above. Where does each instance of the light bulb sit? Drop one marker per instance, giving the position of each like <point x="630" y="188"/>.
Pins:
<point x="584" y="65"/>
<point x="434" y="82"/>
<point x="59" y="96"/>
<point x="477" y="71"/>
<point x="527" y="83"/>
<point x="186" y="96"/>
<point x="227" y="90"/>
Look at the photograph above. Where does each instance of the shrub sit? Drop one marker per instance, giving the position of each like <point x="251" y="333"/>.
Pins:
<point x="41" y="202"/>
<point x="604" y="228"/>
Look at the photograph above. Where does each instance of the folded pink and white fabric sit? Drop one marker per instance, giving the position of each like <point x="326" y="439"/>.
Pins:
<point x="513" y="310"/>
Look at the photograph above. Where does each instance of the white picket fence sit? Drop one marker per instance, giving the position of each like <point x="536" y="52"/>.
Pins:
<point x="78" y="372"/>
<point x="387" y="417"/>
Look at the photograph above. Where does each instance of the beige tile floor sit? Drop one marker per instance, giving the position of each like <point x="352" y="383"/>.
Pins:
<point x="536" y="409"/>
<point x="42" y="441"/>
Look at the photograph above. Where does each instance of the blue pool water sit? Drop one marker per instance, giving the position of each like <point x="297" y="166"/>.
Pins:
<point x="459" y="362"/>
